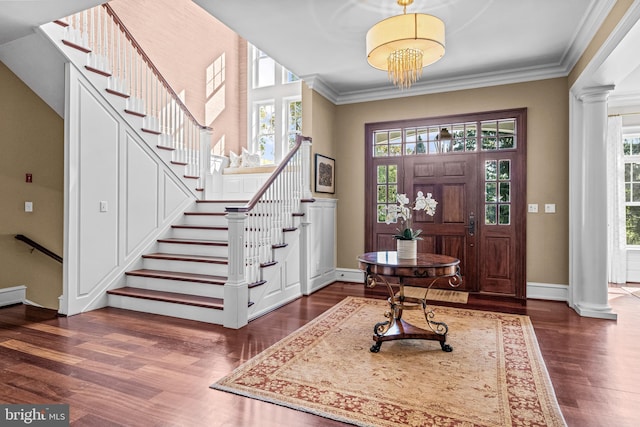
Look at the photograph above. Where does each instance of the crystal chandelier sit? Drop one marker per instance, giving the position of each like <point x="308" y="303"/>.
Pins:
<point x="404" y="44"/>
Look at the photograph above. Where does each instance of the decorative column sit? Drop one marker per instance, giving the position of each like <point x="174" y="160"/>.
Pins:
<point x="236" y="289"/>
<point x="589" y="232"/>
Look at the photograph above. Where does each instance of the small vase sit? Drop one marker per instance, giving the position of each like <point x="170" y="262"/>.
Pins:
<point x="407" y="249"/>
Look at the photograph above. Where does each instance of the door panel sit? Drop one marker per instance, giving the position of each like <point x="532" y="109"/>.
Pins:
<point x="453" y="186"/>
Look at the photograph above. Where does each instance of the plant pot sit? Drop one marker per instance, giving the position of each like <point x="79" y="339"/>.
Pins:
<point x="407" y="249"/>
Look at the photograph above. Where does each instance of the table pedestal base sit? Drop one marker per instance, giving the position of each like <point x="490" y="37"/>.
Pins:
<point x="403" y="330"/>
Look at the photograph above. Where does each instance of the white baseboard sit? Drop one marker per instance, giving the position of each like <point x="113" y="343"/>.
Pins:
<point x="13" y="295"/>
<point x="349" y="275"/>
<point x="544" y="291"/>
<point x="547" y="291"/>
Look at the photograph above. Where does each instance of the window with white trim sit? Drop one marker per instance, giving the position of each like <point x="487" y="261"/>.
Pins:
<point x="275" y="102"/>
<point x="631" y="152"/>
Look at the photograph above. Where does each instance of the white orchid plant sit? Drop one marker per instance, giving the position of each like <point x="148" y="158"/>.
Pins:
<point x="401" y="212"/>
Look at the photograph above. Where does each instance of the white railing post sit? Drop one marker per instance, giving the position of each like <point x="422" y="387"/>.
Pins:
<point x="236" y="289"/>
<point x="305" y="153"/>
<point x="206" y="176"/>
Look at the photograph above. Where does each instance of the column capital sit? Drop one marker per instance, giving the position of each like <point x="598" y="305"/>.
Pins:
<point x="595" y="93"/>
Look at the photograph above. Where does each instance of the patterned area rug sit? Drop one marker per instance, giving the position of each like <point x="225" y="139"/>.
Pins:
<point x="437" y="294"/>
<point x="495" y="375"/>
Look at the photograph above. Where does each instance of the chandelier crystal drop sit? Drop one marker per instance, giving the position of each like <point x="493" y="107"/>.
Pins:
<point x="404" y="67"/>
<point x="404" y="44"/>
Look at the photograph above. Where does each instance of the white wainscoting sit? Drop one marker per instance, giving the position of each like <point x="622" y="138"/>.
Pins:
<point x="321" y="244"/>
<point x="120" y="195"/>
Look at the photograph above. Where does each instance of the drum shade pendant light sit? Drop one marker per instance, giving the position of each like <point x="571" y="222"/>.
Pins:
<point x="404" y="44"/>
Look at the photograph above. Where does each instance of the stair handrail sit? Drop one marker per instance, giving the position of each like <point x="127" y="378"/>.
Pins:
<point x="115" y="53"/>
<point x="37" y="246"/>
<point x="276" y="172"/>
<point x="150" y="63"/>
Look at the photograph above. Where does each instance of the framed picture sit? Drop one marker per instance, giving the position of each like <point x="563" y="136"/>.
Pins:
<point x="325" y="174"/>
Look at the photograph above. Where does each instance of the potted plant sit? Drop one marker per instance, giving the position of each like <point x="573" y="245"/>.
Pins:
<point x="407" y="237"/>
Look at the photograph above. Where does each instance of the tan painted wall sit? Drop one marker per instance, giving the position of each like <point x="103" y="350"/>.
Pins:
<point x="32" y="142"/>
<point x="547" y="163"/>
<point x="319" y="112"/>
<point x="183" y="41"/>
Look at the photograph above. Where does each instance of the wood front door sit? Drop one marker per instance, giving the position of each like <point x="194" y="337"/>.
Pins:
<point x="477" y="175"/>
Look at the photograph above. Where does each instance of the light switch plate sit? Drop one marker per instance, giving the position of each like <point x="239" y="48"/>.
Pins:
<point x="533" y="208"/>
<point x="28" y="206"/>
<point x="550" y="208"/>
<point x="104" y="207"/>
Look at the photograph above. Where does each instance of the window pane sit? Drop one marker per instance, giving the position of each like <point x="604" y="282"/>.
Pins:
<point x="491" y="192"/>
<point x="410" y="135"/>
<point x="395" y="150"/>
<point x="633" y="225"/>
<point x="382" y="194"/>
<point x="471" y="144"/>
<point x="627" y="172"/>
<point x="381" y="138"/>
<point x="627" y="192"/>
<point x="506" y="134"/>
<point x="382" y="174"/>
<point x="635" y="197"/>
<point x="504" y="217"/>
<point x="393" y="192"/>
<point x="395" y="137"/>
<point x="505" y="170"/>
<point x="381" y="151"/>
<point x="490" y="214"/>
<point x="410" y="149"/>
<point x="393" y="173"/>
<point x="505" y="195"/>
<point x="489" y="143"/>
<point x="382" y="213"/>
<point x="490" y="169"/>
<point x="636" y="172"/>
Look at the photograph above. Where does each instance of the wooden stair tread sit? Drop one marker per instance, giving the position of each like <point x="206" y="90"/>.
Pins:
<point x="191" y="258"/>
<point x="242" y="202"/>
<point x="172" y="297"/>
<point x="185" y="277"/>
<point x="199" y="227"/>
<point x="206" y="213"/>
<point x="194" y="242"/>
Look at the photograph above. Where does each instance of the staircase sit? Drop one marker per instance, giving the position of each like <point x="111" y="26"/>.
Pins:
<point x="219" y="261"/>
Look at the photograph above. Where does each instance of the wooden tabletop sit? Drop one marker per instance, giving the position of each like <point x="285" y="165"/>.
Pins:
<point x="425" y="265"/>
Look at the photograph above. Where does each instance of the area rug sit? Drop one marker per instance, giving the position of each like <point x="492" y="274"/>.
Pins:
<point x="495" y="375"/>
<point x="437" y="294"/>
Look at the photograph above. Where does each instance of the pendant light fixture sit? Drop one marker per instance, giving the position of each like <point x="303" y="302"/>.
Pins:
<point x="404" y="44"/>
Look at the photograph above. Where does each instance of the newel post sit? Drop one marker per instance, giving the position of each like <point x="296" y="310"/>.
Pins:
<point x="236" y="290"/>
<point x="206" y="178"/>
<point x="305" y="155"/>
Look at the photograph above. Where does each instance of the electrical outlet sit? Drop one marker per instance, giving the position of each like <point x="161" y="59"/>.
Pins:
<point x="550" y="208"/>
<point x="533" y="208"/>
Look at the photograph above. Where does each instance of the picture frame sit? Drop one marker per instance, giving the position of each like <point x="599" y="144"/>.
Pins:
<point x="325" y="174"/>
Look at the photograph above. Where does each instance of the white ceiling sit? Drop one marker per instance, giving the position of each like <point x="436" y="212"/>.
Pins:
<point x="488" y="41"/>
<point x="323" y="41"/>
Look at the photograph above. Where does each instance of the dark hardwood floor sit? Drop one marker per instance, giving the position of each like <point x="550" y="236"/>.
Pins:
<point x="116" y="367"/>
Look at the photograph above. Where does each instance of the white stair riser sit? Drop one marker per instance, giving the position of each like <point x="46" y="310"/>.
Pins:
<point x="214" y="206"/>
<point x="185" y="249"/>
<point x="212" y="269"/>
<point x="198" y="233"/>
<point x="181" y="311"/>
<point x="206" y="220"/>
<point x="177" y="286"/>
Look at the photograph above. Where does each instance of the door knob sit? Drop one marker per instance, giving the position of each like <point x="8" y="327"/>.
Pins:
<point x="472" y="224"/>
